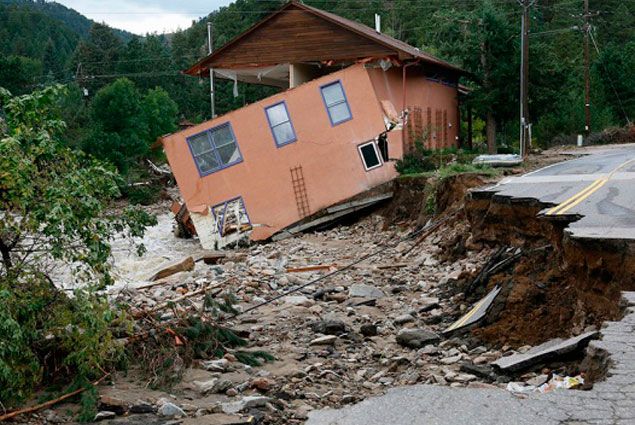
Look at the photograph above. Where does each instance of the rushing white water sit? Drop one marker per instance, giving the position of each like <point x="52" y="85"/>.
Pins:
<point x="162" y="247"/>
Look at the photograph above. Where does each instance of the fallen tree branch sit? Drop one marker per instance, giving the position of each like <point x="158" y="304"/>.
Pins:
<point x="431" y="229"/>
<point x="50" y="402"/>
<point x="181" y="298"/>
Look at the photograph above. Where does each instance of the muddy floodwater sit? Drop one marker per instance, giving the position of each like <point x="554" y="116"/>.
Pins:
<point x="162" y="247"/>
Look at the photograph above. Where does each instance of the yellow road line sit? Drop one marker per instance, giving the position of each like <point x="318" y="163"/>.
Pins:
<point x="573" y="198"/>
<point x="465" y="318"/>
<point x="586" y="192"/>
<point x="582" y="198"/>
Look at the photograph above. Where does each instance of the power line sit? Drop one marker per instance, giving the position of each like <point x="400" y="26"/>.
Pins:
<point x="619" y="100"/>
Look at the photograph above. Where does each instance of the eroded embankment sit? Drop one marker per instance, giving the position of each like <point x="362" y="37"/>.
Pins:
<point x="559" y="286"/>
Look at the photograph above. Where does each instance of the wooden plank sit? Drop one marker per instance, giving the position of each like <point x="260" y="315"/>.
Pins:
<point x="186" y="264"/>
<point x="359" y="203"/>
<point x="315" y="268"/>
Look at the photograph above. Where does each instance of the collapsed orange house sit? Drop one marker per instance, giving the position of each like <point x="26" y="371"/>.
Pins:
<point x="353" y="101"/>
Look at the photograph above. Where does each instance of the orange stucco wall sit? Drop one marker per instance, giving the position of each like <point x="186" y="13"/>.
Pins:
<point x="422" y="93"/>
<point x="332" y="168"/>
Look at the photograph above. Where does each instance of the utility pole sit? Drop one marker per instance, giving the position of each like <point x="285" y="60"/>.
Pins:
<point x="587" y="64"/>
<point x="210" y="49"/>
<point x="525" y="140"/>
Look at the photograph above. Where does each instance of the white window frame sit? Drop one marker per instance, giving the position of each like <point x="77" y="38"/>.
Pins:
<point x="377" y="153"/>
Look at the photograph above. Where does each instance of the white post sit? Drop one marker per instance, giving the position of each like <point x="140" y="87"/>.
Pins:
<point x="377" y="22"/>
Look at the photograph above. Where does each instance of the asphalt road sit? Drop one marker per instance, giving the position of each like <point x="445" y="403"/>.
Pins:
<point x="598" y="190"/>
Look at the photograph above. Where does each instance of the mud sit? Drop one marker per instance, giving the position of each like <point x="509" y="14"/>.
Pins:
<point x="573" y="286"/>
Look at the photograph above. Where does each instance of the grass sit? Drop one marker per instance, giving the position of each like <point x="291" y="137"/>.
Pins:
<point x="453" y="170"/>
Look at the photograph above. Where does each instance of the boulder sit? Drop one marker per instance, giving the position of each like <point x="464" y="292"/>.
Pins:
<point x="416" y="338"/>
<point x="329" y="327"/>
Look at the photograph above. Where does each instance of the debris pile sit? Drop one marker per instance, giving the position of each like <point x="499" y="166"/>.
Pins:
<point x="379" y="324"/>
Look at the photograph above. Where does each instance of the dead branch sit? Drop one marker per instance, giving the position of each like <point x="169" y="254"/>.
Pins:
<point x="50" y="402"/>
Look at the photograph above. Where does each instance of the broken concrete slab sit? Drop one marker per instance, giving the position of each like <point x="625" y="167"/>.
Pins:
<point x="476" y="313"/>
<point x="364" y="291"/>
<point x="186" y="264"/>
<point x="548" y="350"/>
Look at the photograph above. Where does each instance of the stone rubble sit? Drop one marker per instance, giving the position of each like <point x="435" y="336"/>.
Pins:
<point x="354" y="335"/>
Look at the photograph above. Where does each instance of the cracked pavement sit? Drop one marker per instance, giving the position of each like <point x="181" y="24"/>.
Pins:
<point x="611" y="401"/>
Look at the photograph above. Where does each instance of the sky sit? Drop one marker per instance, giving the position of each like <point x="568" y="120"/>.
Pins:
<point x="145" y="16"/>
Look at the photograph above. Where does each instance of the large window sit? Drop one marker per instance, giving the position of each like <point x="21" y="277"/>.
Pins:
<point x="336" y="103"/>
<point x="280" y="123"/>
<point x="214" y="149"/>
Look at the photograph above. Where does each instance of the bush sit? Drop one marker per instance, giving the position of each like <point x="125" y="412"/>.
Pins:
<point x="55" y="215"/>
<point x="422" y="160"/>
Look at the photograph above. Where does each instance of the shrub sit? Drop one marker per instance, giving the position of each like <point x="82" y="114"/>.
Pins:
<point x="55" y="215"/>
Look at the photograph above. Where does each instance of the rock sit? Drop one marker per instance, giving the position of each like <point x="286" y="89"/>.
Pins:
<point x="329" y="327"/>
<point x="141" y="407"/>
<point x="416" y="338"/>
<point x="112" y="404"/>
<point x="299" y="300"/>
<point x="170" y="410"/>
<point x="403" y="319"/>
<point x="483" y="371"/>
<point x="428" y="303"/>
<point x="243" y="404"/>
<point x="538" y="380"/>
<point x="429" y="350"/>
<point x="232" y="392"/>
<point x="480" y="360"/>
<point x="52" y="417"/>
<point x="216" y="386"/>
<point x="103" y="415"/>
<point x="173" y="268"/>
<point x="261" y="384"/>
<point x="364" y="291"/>
<point x="451" y="360"/>
<point x="219" y="365"/>
<point x="324" y="340"/>
<point x="464" y="377"/>
<point x="368" y="330"/>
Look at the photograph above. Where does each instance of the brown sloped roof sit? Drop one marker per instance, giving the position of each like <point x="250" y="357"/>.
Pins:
<point x="400" y="48"/>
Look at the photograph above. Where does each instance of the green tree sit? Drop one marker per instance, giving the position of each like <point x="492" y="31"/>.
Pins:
<point x="160" y="113"/>
<point x="125" y="123"/>
<point x="56" y="217"/>
<point x="19" y="73"/>
<point x="119" y="135"/>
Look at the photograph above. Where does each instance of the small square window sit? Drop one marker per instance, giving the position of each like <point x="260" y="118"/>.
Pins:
<point x="280" y="124"/>
<point x="214" y="149"/>
<point x="336" y="104"/>
<point x="370" y="155"/>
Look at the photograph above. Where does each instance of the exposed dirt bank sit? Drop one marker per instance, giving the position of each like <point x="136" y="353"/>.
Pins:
<point x="552" y="292"/>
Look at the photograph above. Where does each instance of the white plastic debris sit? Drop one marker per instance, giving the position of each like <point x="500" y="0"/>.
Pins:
<point x="499" y="160"/>
<point x="555" y="383"/>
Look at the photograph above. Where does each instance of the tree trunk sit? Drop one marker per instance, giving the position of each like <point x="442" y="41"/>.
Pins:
<point x="6" y="256"/>
<point x="491" y="133"/>
<point x="491" y="121"/>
